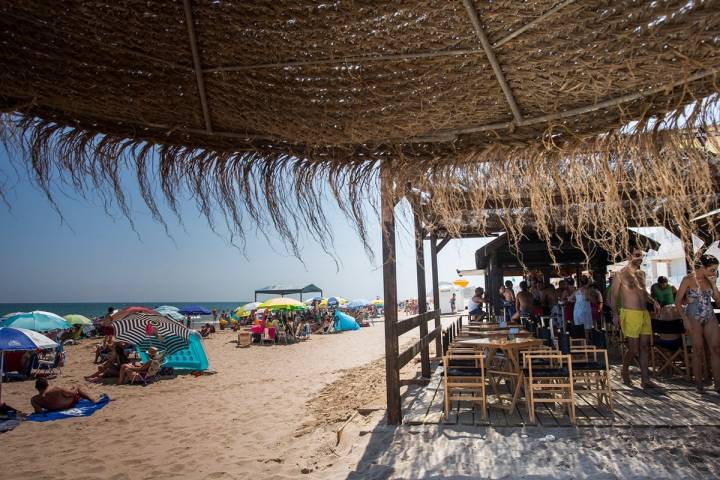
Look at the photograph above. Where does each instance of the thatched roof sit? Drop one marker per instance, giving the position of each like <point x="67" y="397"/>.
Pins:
<point x="225" y="96"/>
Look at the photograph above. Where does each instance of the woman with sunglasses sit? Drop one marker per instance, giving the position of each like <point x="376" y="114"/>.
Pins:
<point x="696" y="293"/>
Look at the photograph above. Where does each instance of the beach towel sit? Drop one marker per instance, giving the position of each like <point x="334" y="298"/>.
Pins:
<point x="7" y="424"/>
<point x="84" y="408"/>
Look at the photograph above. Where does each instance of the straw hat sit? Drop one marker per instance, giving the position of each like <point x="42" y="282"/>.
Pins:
<point x="152" y="351"/>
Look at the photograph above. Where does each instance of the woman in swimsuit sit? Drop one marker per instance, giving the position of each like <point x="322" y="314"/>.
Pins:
<point x="695" y="294"/>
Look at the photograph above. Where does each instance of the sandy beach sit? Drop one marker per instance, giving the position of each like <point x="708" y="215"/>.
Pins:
<point x="273" y="412"/>
<point x="265" y="412"/>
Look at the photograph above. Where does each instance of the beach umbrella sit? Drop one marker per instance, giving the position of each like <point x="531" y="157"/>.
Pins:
<point x="245" y="310"/>
<point x="37" y="320"/>
<point x="194" y="310"/>
<point x="145" y="330"/>
<point x="77" y="320"/>
<point x="19" y="339"/>
<point x="461" y="282"/>
<point x="177" y="316"/>
<point x="357" y="303"/>
<point x="378" y="303"/>
<point x="283" y="303"/>
<point x="128" y="310"/>
<point x="167" y="308"/>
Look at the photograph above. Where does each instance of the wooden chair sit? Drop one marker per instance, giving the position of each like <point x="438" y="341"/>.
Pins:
<point x="591" y="374"/>
<point x="578" y="343"/>
<point x="670" y="356"/>
<point x="549" y="384"/>
<point x="465" y="383"/>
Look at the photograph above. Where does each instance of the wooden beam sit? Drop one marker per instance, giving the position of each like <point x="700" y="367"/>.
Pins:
<point x="407" y="324"/>
<point x="422" y="292"/>
<point x="196" y="65"/>
<point x="436" y="292"/>
<point x="387" y="57"/>
<point x="345" y="60"/>
<point x="392" y="369"/>
<point x="405" y="357"/>
<point x="530" y="25"/>
<point x="442" y="243"/>
<point x="480" y="32"/>
<point x="573" y="112"/>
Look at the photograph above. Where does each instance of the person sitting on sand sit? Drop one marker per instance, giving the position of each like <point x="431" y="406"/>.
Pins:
<point x="205" y="331"/>
<point x="130" y="371"/>
<point x="104" y="348"/>
<point x="111" y="366"/>
<point x="57" y="398"/>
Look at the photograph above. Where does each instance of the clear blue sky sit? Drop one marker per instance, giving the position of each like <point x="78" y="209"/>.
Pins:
<point x="95" y="257"/>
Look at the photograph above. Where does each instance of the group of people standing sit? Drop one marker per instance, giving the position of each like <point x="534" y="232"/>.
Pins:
<point x="581" y="304"/>
<point x="633" y="308"/>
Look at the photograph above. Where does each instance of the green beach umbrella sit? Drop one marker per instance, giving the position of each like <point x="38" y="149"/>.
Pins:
<point x="74" y="319"/>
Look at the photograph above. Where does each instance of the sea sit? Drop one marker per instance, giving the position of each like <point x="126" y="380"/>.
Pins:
<point x="97" y="309"/>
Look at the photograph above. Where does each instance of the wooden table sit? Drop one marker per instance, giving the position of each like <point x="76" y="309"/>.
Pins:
<point x="492" y="326"/>
<point x="494" y="333"/>
<point x="509" y="368"/>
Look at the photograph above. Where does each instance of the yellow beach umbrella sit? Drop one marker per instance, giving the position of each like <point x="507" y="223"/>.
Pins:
<point x="461" y="282"/>
<point x="283" y="303"/>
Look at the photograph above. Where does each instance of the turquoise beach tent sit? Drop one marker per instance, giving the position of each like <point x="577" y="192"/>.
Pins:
<point x="343" y="322"/>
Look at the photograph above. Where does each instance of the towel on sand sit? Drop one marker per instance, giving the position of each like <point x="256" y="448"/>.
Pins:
<point x="84" y="408"/>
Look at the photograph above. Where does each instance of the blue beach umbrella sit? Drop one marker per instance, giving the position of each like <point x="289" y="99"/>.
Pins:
<point x="194" y="310"/>
<point x="20" y="339"/>
<point x="38" y="321"/>
<point x="177" y="316"/>
<point x="357" y="303"/>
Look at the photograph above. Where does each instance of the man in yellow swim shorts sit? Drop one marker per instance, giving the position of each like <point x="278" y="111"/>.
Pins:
<point x="632" y="315"/>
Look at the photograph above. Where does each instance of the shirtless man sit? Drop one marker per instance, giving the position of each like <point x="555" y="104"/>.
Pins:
<point x="524" y="301"/>
<point x="57" y="398"/>
<point x="548" y="297"/>
<point x="633" y="317"/>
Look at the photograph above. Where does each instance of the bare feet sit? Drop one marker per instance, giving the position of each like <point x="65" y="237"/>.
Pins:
<point x="626" y="378"/>
<point x="700" y="388"/>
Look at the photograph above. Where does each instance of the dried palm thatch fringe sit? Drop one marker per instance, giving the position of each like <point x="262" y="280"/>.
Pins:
<point x="652" y="173"/>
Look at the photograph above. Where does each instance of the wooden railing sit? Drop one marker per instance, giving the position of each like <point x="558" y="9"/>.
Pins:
<point x="407" y="324"/>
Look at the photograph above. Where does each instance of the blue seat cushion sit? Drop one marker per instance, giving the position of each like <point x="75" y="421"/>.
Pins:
<point x="548" y="372"/>
<point x="588" y="366"/>
<point x="463" y="372"/>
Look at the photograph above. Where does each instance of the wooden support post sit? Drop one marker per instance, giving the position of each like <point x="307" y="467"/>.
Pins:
<point x="197" y="66"/>
<point x="436" y="291"/>
<point x="392" y="372"/>
<point x="422" y="292"/>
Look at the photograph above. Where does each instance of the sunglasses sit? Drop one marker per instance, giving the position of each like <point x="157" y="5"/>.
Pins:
<point x="638" y="255"/>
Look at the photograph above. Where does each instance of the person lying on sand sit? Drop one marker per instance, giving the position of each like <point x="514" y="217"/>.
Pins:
<point x="129" y="371"/>
<point x="57" y="398"/>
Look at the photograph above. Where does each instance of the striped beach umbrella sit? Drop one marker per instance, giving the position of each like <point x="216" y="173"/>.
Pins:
<point x="145" y="330"/>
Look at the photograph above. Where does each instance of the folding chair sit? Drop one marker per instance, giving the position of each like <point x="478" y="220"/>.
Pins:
<point x="152" y="372"/>
<point x="549" y="383"/>
<point x="577" y="343"/>
<point x="591" y="374"/>
<point x="670" y="356"/>
<point x="266" y="337"/>
<point x="465" y="383"/>
<point x="48" y="364"/>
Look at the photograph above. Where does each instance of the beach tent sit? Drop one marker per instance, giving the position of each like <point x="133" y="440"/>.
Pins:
<point x="343" y="322"/>
<point x="192" y="358"/>
<point x="283" y="290"/>
<point x="37" y="320"/>
<point x="20" y="339"/>
<point x="194" y="310"/>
